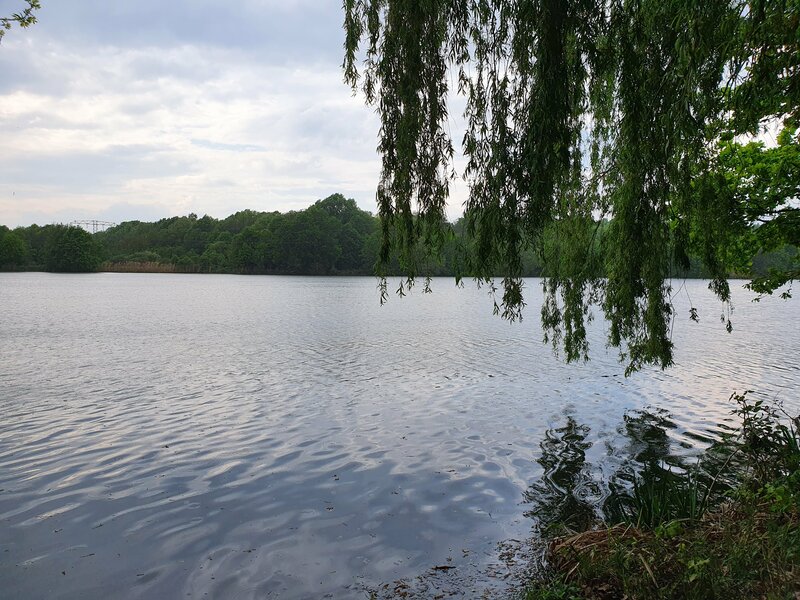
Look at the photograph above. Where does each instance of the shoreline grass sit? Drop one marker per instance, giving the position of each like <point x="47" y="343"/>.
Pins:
<point x="675" y="538"/>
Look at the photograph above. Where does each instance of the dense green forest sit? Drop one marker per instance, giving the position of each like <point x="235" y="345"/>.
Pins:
<point x="331" y="237"/>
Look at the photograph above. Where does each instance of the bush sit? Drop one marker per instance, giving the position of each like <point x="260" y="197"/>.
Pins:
<point x="678" y="539"/>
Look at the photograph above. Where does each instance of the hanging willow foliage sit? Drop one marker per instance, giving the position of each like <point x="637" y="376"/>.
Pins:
<point x="576" y="110"/>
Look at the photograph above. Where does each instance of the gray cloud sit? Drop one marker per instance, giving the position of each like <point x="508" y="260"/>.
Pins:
<point x="140" y="110"/>
<point x="229" y="147"/>
<point x="115" y="213"/>
<point x="94" y="171"/>
<point x="279" y="30"/>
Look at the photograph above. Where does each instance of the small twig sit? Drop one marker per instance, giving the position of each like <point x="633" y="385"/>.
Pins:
<point x="649" y="572"/>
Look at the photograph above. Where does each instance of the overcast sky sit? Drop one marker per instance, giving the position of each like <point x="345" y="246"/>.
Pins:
<point x="120" y="110"/>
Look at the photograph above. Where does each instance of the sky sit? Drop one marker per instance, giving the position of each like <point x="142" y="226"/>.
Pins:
<point x="143" y="109"/>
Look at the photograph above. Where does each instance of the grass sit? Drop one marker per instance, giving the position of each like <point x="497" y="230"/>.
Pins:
<point x="660" y="496"/>
<point x="675" y="538"/>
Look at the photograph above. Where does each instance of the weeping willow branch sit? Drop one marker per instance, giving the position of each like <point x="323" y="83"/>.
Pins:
<point x="574" y="108"/>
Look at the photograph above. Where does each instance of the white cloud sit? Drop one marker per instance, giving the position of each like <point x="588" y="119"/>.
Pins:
<point x="163" y="109"/>
<point x="175" y="127"/>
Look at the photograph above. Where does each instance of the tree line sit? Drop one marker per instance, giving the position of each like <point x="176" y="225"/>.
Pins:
<point x="331" y="237"/>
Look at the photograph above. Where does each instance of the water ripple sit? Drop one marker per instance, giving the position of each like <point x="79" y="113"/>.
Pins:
<point x="167" y="436"/>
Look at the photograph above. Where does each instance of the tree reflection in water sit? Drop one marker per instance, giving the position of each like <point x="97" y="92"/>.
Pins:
<point x="567" y="494"/>
<point x="647" y="448"/>
<point x="572" y="493"/>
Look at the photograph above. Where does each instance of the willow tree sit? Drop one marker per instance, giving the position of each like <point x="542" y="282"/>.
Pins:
<point x="25" y="18"/>
<point x="577" y="112"/>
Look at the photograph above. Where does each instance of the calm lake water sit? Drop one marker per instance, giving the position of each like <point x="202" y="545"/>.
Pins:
<point x="189" y="436"/>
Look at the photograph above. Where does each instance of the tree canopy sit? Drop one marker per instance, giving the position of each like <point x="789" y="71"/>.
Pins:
<point x="71" y="250"/>
<point x="331" y="237"/>
<point x="641" y="112"/>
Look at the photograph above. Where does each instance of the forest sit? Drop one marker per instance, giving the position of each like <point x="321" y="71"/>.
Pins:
<point x="331" y="237"/>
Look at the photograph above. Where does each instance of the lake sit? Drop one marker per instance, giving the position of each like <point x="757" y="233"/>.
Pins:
<point x="167" y="436"/>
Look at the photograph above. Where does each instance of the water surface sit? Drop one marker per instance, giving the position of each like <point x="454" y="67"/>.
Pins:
<point x="168" y="436"/>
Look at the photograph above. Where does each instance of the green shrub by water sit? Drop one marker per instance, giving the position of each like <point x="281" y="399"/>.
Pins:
<point x="678" y="536"/>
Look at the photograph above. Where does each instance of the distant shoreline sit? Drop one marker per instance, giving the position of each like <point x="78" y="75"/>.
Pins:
<point x="167" y="269"/>
<point x="137" y="267"/>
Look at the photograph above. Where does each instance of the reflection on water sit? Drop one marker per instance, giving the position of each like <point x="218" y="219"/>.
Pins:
<point x="647" y="432"/>
<point x="648" y="448"/>
<point x="574" y="494"/>
<point x="168" y="436"/>
<point x="567" y="494"/>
